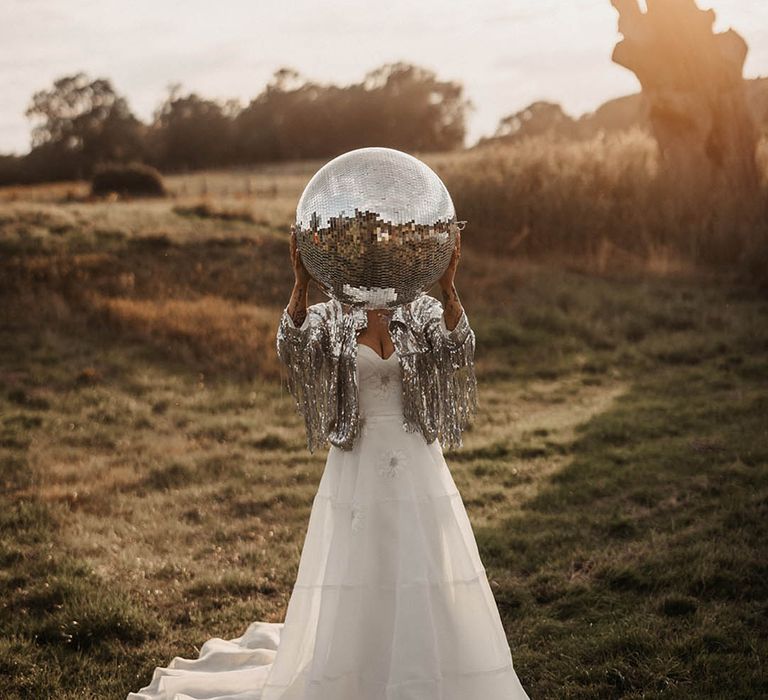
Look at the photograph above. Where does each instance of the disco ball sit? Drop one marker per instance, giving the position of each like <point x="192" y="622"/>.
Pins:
<point x="376" y="228"/>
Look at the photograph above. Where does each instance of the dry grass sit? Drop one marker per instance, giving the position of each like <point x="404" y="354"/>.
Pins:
<point x="602" y="201"/>
<point x="156" y="488"/>
<point x="597" y="203"/>
<point x="212" y="332"/>
<point x="207" y="210"/>
<point x="615" y="479"/>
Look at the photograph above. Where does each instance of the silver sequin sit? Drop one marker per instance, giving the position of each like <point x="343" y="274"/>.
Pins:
<point x="437" y="365"/>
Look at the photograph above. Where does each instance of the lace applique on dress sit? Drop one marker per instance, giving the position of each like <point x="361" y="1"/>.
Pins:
<point x="384" y="383"/>
<point x="358" y="517"/>
<point x="391" y="463"/>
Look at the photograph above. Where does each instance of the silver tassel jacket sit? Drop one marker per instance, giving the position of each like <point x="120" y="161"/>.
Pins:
<point x="437" y="366"/>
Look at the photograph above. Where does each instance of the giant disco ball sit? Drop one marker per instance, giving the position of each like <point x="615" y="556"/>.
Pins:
<point x="376" y="227"/>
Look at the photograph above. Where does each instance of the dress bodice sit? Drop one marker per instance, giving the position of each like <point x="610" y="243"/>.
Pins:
<point x="379" y="382"/>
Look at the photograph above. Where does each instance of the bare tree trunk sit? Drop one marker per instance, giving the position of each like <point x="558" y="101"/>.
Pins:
<point x="695" y="92"/>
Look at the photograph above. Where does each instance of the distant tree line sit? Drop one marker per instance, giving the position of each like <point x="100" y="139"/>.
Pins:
<point x="545" y="118"/>
<point x="81" y="123"/>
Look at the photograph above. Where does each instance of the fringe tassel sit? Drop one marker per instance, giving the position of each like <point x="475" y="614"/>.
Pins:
<point x="308" y="369"/>
<point x="439" y="383"/>
<point x="457" y="389"/>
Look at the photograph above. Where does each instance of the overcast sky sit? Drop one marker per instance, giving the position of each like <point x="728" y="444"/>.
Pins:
<point x="507" y="53"/>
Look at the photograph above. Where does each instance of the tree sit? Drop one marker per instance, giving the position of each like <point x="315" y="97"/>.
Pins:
<point x="396" y="105"/>
<point x="536" y="119"/>
<point x="418" y="111"/>
<point x="692" y="81"/>
<point x="83" y="122"/>
<point x="189" y="132"/>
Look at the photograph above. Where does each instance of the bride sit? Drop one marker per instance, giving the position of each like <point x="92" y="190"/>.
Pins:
<point x="391" y="600"/>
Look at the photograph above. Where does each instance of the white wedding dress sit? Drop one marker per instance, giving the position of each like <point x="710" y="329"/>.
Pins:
<point x="391" y="600"/>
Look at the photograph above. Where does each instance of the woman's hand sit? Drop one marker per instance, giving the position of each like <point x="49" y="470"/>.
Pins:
<point x="300" y="272"/>
<point x="447" y="278"/>
<point x="452" y="308"/>
<point x="297" y="305"/>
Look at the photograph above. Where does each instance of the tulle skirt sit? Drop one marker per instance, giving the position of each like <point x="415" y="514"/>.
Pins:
<point x="391" y="600"/>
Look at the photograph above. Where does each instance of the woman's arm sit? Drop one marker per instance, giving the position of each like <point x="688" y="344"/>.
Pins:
<point x="446" y="325"/>
<point x="302" y="340"/>
<point x="452" y="308"/>
<point x="297" y="305"/>
<point x="452" y="343"/>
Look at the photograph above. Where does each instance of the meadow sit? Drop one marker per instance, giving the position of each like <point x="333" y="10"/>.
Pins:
<point x="155" y="482"/>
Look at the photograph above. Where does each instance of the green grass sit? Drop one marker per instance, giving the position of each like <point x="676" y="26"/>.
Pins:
<point x="616" y="477"/>
<point x="62" y="628"/>
<point x="640" y="569"/>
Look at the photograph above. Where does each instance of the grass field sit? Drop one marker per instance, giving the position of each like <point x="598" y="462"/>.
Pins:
<point x="156" y="488"/>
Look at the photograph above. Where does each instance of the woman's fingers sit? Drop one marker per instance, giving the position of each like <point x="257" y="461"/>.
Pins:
<point x="456" y="251"/>
<point x="299" y="268"/>
<point x="294" y="247"/>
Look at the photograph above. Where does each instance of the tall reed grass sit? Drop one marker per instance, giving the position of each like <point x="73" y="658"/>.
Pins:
<point x="605" y="200"/>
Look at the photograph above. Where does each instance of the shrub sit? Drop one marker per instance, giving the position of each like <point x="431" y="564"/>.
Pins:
<point x="206" y="210"/>
<point x="133" y="179"/>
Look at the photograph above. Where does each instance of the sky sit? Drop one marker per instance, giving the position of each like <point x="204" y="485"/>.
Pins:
<point x="506" y="53"/>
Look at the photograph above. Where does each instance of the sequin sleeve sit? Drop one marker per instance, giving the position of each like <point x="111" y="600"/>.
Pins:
<point x="454" y="353"/>
<point x="303" y="350"/>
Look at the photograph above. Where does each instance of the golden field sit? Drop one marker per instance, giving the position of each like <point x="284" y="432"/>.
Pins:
<point x="156" y="487"/>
